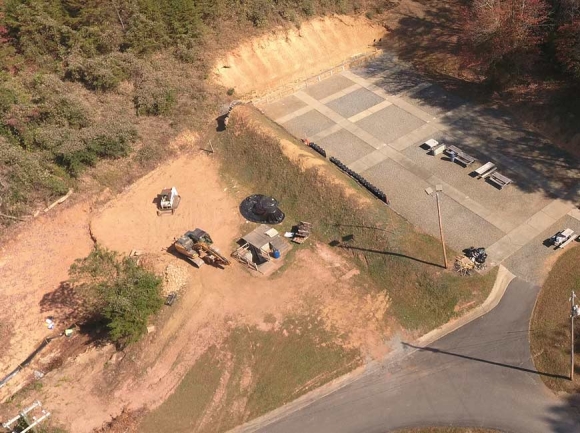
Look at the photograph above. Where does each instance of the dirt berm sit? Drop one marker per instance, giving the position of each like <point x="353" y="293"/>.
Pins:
<point x="286" y="56"/>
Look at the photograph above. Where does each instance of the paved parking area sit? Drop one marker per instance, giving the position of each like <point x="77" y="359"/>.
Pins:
<point x="375" y="119"/>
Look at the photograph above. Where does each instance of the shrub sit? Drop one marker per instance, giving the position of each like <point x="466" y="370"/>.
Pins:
<point x="502" y="35"/>
<point x="107" y="140"/>
<point x="120" y="291"/>
<point x="102" y="73"/>
<point x="308" y="7"/>
<point x="23" y="173"/>
<point x="7" y="99"/>
<point x="144" y="35"/>
<point x="154" y="96"/>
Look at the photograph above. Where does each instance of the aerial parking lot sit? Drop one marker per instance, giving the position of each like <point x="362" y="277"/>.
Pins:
<point x="376" y="118"/>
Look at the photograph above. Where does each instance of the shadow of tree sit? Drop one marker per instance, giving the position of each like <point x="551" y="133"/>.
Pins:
<point x="428" y="34"/>
<point x="565" y="416"/>
<point x="67" y="308"/>
<point x="62" y="301"/>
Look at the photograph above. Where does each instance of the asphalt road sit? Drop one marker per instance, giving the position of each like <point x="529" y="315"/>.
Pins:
<point x="480" y="375"/>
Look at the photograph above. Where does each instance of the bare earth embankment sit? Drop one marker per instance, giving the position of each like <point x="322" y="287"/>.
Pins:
<point x="286" y="56"/>
<point x="234" y="346"/>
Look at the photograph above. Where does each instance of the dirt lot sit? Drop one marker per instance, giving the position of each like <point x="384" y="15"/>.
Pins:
<point x="87" y="390"/>
<point x="92" y="384"/>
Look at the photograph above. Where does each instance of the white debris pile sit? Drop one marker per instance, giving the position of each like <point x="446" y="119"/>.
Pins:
<point x="175" y="278"/>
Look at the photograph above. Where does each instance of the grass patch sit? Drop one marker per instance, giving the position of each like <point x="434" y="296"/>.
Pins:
<point x="550" y="329"/>
<point x="252" y="373"/>
<point x="398" y="258"/>
<point x="185" y="407"/>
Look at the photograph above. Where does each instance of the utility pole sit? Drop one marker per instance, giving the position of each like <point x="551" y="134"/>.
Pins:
<point x="574" y="312"/>
<point x="438" y="189"/>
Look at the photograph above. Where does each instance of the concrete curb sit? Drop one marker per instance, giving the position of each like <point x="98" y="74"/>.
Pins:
<point x="504" y="277"/>
<point x="502" y="280"/>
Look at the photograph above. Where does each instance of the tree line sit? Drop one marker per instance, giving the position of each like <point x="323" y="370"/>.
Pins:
<point x="506" y="38"/>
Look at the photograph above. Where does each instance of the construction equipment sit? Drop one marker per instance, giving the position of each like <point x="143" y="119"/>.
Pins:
<point x="196" y="246"/>
<point x="168" y="201"/>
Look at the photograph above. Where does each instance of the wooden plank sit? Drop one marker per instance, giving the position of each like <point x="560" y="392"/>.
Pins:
<point x="485" y="167"/>
<point x="489" y="173"/>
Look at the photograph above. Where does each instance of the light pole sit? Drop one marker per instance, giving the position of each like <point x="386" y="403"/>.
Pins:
<point x="438" y="189"/>
<point x="574" y="312"/>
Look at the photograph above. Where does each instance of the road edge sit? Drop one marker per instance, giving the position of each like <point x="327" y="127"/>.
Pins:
<point x="502" y="280"/>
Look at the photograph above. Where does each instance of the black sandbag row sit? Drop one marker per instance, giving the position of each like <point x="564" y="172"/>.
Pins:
<point x="318" y="149"/>
<point x="373" y="189"/>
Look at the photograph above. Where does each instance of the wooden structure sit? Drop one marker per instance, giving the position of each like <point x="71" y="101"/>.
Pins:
<point x="460" y="155"/>
<point x="257" y="246"/>
<point x="500" y="180"/>
<point x="486" y="170"/>
<point x="303" y="232"/>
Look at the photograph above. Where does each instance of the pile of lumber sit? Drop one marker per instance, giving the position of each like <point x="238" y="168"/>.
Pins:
<point x="303" y="232"/>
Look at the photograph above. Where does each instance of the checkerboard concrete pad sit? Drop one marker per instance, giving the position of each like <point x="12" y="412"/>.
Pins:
<point x="328" y="87"/>
<point x="407" y="194"/>
<point x="308" y="124"/>
<point x="355" y="102"/>
<point x="283" y="107"/>
<point x="511" y="203"/>
<point x="389" y="124"/>
<point x="345" y="146"/>
<point x="397" y="80"/>
<point x="434" y="100"/>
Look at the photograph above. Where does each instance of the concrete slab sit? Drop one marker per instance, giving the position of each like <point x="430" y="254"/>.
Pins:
<point x="575" y="213"/>
<point x="511" y="205"/>
<point x="329" y="86"/>
<point x="283" y="107"/>
<point x="325" y="133"/>
<point x="297" y="113"/>
<point x="389" y="124"/>
<point x="558" y="208"/>
<point x="345" y="146"/>
<point x="308" y="124"/>
<point x="406" y="191"/>
<point x="541" y="220"/>
<point x="362" y="134"/>
<point x="369" y="111"/>
<point x="395" y="79"/>
<point x="532" y="261"/>
<point x="368" y="161"/>
<point x="419" y="135"/>
<point x="433" y="100"/>
<point x="355" y="102"/>
<point x="340" y="94"/>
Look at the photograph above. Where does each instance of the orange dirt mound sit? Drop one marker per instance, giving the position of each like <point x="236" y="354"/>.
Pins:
<point x="286" y="56"/>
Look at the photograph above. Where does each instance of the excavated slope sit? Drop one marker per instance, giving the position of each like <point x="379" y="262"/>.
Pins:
<point x="263" y="64"/>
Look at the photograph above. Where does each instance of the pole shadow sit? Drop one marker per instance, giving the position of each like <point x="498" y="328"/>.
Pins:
<point x="386" y="253"/>
<point x="485" y="361"/>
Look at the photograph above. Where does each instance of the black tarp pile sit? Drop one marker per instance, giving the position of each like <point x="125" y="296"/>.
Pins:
<point x="260" y="208"/>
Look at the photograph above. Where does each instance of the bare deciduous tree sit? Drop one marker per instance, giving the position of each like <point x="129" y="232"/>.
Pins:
<point x="501" y="36"/>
